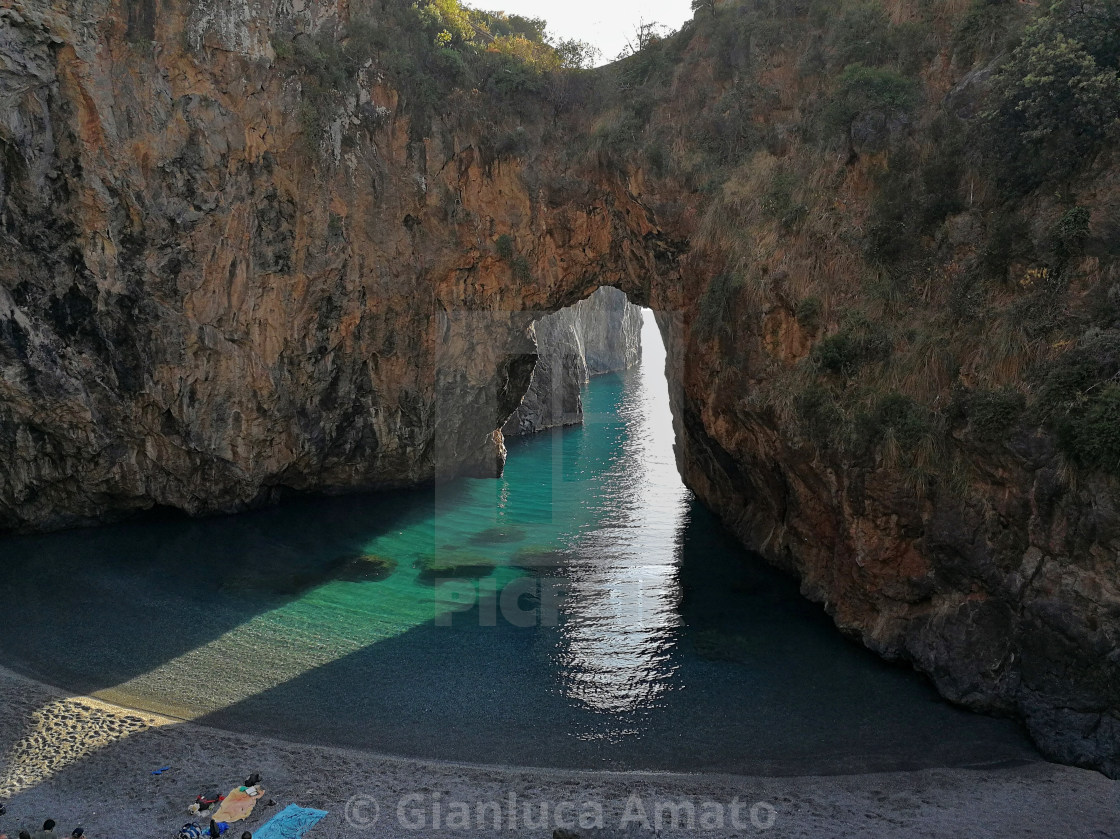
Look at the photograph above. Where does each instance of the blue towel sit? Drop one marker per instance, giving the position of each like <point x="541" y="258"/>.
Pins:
<point x="290" y="823"/>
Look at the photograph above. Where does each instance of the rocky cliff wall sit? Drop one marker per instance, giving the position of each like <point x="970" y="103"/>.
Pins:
<point x="212" y="292"/>
<point x="202" y="306"/>
<point x="601" y="334"/>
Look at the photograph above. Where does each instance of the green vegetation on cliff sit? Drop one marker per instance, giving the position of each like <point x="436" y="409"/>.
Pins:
<point x="926" y="190"/>
<point x="1057" y="96"/>
<point x="425" y="50"/>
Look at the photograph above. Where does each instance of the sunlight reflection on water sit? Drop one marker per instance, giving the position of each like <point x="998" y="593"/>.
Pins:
<point x="619" y="629"/>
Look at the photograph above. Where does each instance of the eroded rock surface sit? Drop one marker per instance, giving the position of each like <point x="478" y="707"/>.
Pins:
<point x="198" y="311"/>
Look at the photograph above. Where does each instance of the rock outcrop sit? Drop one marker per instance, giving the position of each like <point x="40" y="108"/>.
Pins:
<point x="601" y="334"/>
<point x="214" y="289"/>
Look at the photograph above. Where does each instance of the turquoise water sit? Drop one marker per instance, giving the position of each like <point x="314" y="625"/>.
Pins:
<point x="583" y="611"/>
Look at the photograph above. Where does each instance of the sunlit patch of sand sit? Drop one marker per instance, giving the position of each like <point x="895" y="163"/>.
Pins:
<point x="63" y="732"/>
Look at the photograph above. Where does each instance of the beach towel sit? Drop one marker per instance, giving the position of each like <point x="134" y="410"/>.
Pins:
<point x="237" y="806"/>
<point x="290" y="823"/>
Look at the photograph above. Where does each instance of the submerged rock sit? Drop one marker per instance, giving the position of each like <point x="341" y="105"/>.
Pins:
<point x="366" y="568"/>
<point x="542" y="560"/>
<point x="455" y="566"/>
<point x="499" y="535"/>
<point x="717" y="645"/>
<point x="293" y="576"/>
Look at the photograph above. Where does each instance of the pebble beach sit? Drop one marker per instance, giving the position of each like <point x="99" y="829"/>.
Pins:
<point x="84" y="762"/>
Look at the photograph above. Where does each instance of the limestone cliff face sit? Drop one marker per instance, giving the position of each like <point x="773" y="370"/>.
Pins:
<point x="198" y="310"/>
<point x="208" y="299"/>
<point x="601" y="334"/>
<point x="612" y="331"/>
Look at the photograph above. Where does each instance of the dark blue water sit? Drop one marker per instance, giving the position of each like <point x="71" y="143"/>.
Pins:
<point x="327" y="621"/>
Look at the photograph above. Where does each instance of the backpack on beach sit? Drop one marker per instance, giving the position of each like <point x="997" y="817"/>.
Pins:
<point x="191" y="831"/>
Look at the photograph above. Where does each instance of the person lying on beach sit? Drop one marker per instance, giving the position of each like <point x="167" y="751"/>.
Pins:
<point x="47" y="832"/>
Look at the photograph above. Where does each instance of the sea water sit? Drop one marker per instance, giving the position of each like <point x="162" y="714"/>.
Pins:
<point x="582" y="611"/>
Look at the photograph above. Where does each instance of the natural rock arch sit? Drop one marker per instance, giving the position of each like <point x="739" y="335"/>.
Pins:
<point x="198" y="311"/>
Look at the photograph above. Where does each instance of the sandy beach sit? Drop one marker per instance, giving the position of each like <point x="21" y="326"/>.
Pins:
<point x="85" y="762"/>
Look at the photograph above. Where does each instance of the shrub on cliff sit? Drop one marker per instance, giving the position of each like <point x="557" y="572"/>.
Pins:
<point x="895" y="223"/>
<point x="861" y="35"/>
<point x="716" y="304"/>
<point x="780" y="201"/>
<point x="864" y="34"/>
<point x="726" y="132"/>
<point x="860" y="341"/>
<point x="1057" y="97"/>
<point x="444" y="16"/>
<point x="1091" y="434"/>
<point x="862" y="90"/>
<point x="895" y="416"/>
<point x="502" y="25"/>
<point x="821" y="419"/>
<point x="809" y="312"/>
<point x="505" y="246"/>
<point x="1071" y="232"/>
<point x="986" y="29"/>
<point x="913" y="196"/>
<point x="429" y="49"/>
<point x="619" y="136"/>
<point x="991" y="414"/>
<point x="1079" y="397"/>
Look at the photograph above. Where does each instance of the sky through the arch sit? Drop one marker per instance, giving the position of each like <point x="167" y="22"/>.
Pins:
<point x="605" y="23"/>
